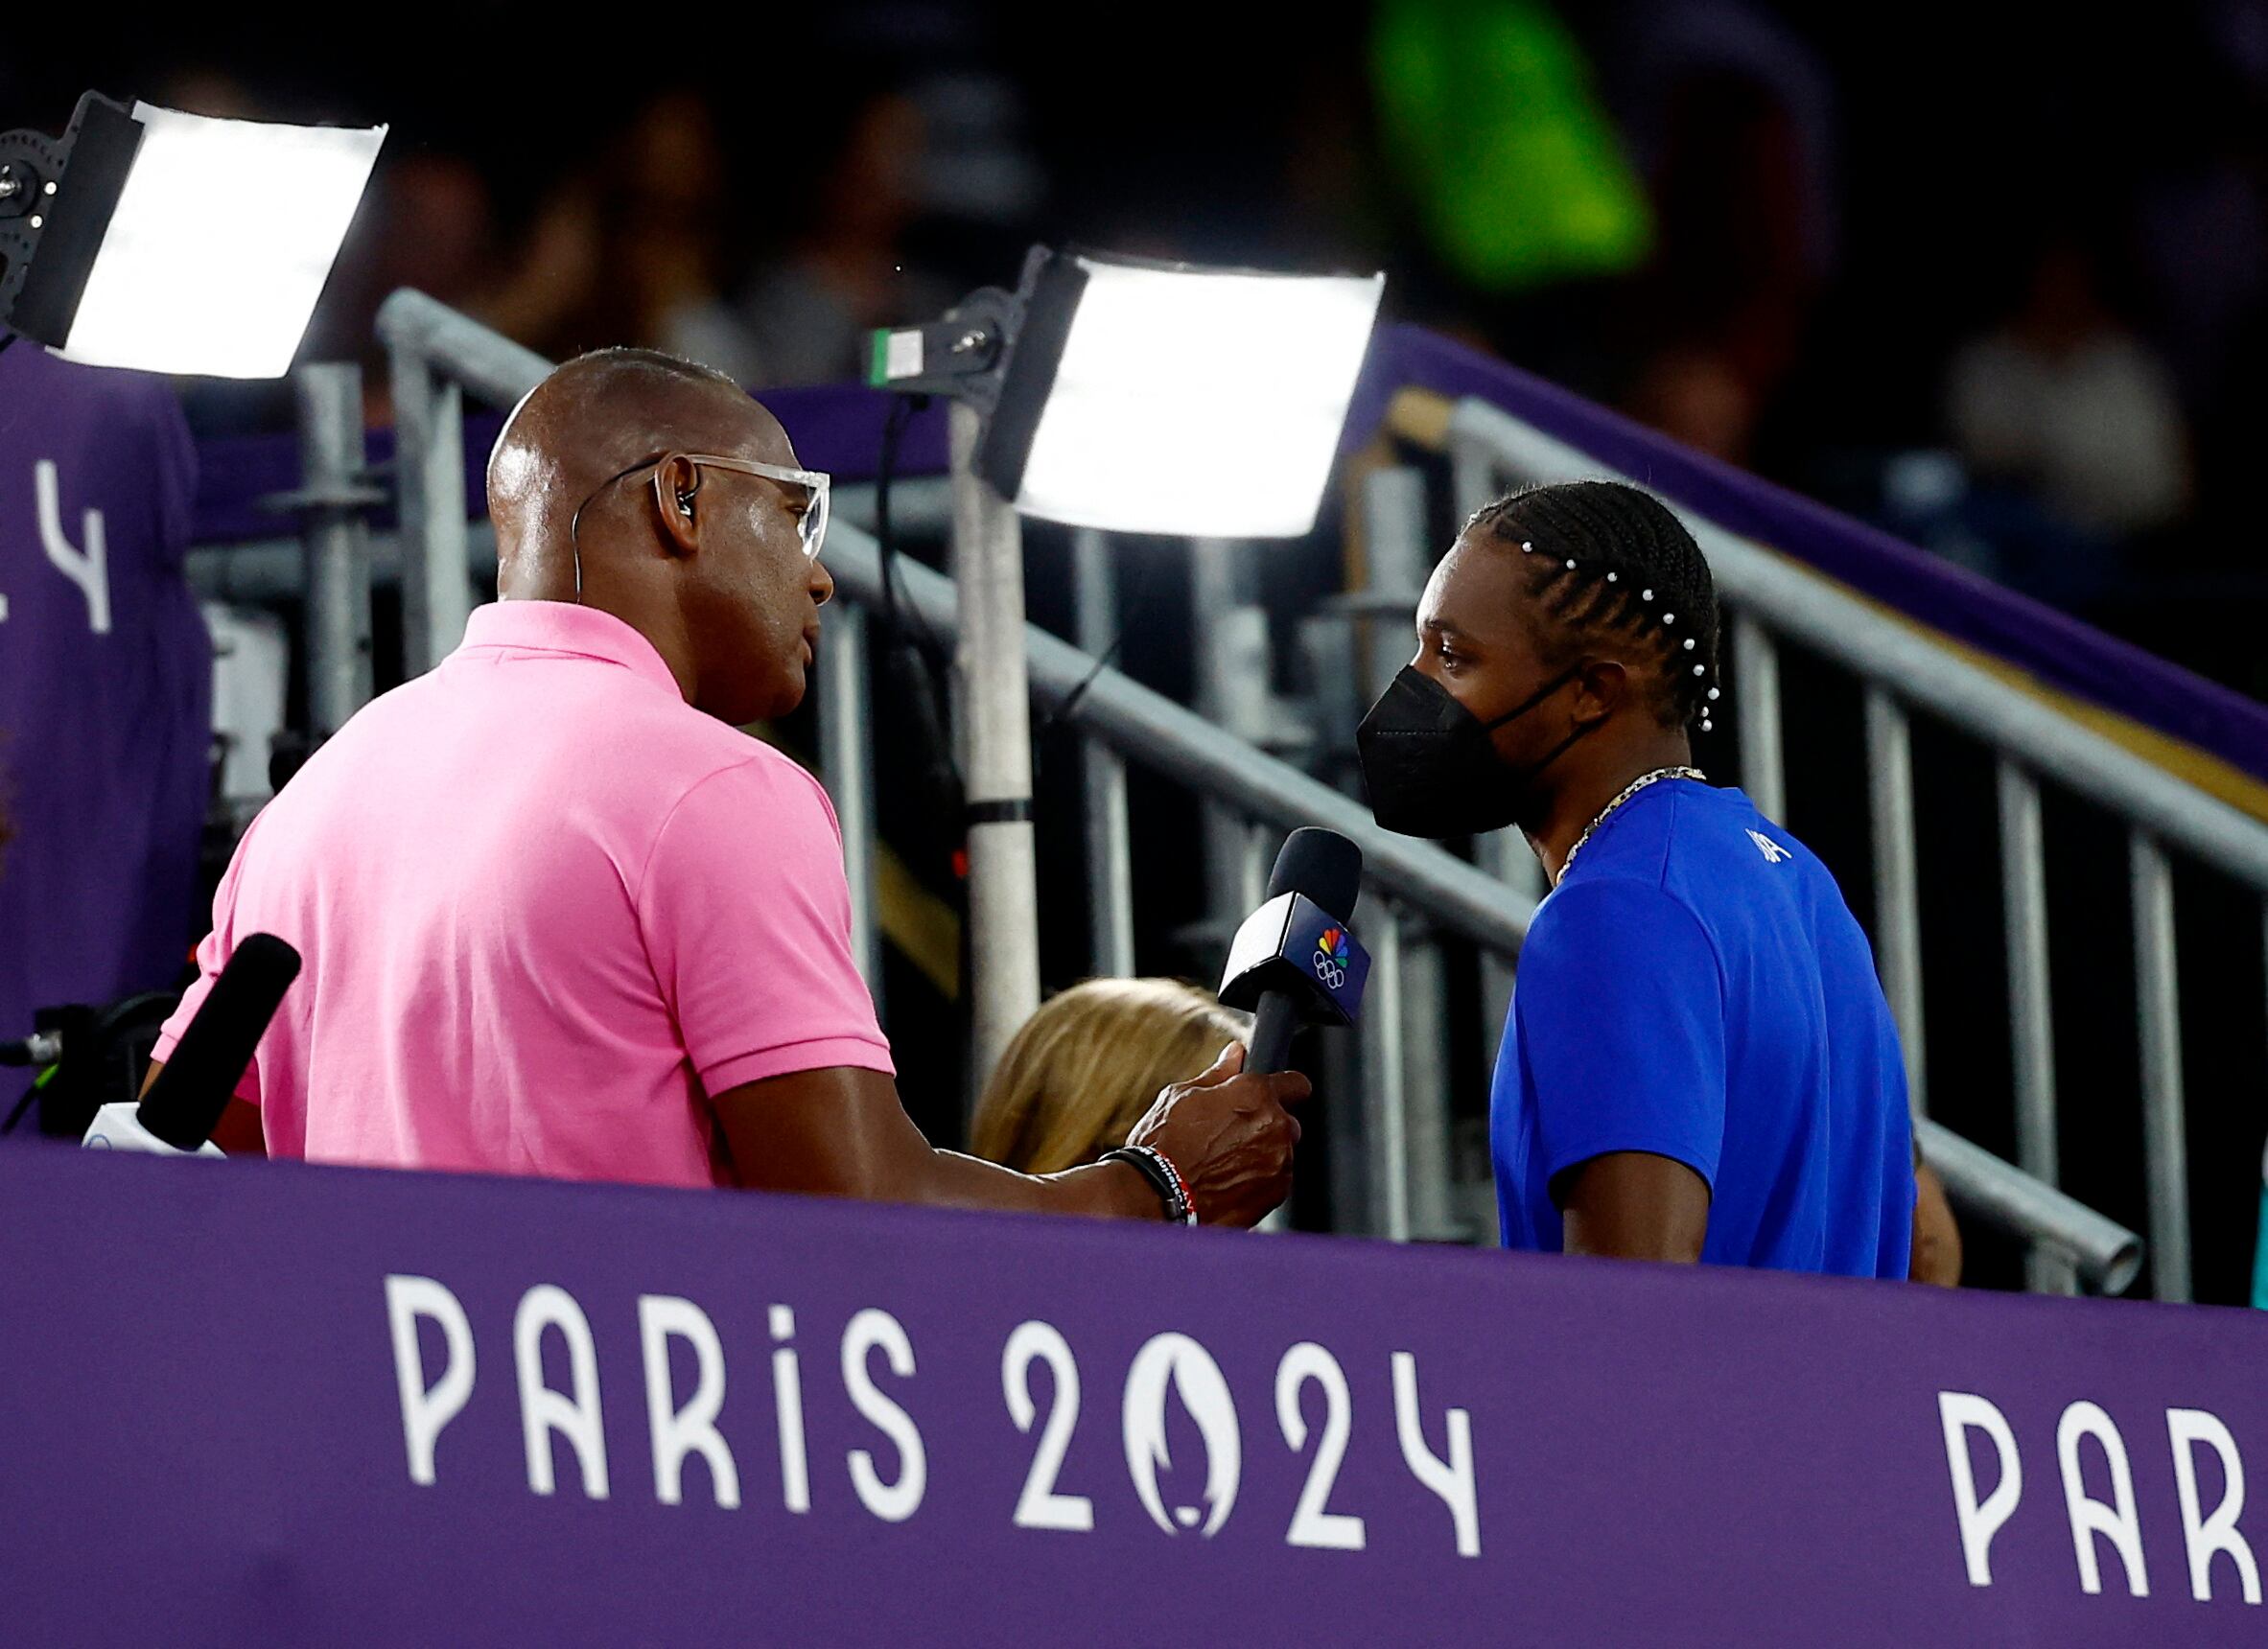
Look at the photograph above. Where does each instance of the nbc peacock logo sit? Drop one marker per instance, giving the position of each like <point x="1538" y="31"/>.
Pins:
<point x="1331" y="957"/>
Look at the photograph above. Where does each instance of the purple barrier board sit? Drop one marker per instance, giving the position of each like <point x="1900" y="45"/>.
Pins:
<point x="106" y="688"/>
<point x="270" y="1404"/>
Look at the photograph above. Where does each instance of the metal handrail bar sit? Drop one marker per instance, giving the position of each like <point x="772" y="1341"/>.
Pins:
<point x="2104" y="1252"/>
<point x="491" y="366"/>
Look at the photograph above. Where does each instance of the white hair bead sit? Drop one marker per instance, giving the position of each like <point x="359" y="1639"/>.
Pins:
<point x="1669" y="618"/>
<point x="1707" y="725"/>
<point x="1610" y="577"/>
<point x="1570" y="564"/>
<point x="1712" y="695"/>
<point x="1645" y="595"/>
<point x="1526" y="549"/>
<point x="1701" y="669"/>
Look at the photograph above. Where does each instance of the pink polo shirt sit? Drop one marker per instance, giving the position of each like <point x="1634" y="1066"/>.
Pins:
<point x="546" y="907"/>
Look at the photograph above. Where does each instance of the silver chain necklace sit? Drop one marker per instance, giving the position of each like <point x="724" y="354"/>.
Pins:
<point x="1606" y="812"/>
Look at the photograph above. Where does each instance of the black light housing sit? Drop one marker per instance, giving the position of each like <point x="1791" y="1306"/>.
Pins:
<point x="1140" y="396"/>
<point x="49" y="235"/>
<point x="148" y="238"/>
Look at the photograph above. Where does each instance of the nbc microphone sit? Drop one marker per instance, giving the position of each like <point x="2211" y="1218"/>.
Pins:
<point x="1293" y="962"/>
<point x="177" y="1115"/>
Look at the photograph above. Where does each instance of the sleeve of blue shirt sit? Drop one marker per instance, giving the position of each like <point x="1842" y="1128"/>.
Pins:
<point x="1621" y="1007"/>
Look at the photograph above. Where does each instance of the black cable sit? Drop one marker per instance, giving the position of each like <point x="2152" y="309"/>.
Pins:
<point x="894" y="423"/>
<point x="1136" y="605"/>
<point x="21" y="1107"/>
<point x="902" y="412"/>
<point x="912" y="666"/>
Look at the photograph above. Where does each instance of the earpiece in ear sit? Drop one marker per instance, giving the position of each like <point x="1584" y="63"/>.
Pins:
<point x="685" y="505"/>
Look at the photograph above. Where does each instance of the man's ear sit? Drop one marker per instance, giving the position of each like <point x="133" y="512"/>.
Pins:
<point x="677" y="487"/>
<point x="1599" y="688"/>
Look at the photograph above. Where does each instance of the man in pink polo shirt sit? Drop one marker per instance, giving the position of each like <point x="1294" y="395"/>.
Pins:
<point x="559" y="918"/>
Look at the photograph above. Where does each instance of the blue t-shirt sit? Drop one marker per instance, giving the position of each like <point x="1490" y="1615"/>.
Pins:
<point x="1695" y="987"/>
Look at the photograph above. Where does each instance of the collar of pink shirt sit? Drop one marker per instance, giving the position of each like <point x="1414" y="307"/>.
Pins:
<point x="565" y="628"/>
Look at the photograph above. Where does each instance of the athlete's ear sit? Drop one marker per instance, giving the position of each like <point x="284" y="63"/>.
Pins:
<point x="1601" y="685"/>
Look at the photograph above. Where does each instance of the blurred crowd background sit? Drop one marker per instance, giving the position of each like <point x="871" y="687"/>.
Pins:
<point x="1994" y="277"/>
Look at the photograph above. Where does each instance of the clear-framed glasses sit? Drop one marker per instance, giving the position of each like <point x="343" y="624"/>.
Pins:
<point x="810" y="524"/>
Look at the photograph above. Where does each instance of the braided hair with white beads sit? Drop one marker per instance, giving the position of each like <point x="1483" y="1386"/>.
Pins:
<point x="1606" y="560"/>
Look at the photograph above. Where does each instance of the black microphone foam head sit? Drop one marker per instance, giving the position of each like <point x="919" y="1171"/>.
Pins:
<point x="1321" y="863"/>
<point x="185" y="1103"/>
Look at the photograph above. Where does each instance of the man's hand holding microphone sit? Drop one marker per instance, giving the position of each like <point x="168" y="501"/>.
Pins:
<point x="1218" y="1148"/>
<point x="1228" y="1133"/>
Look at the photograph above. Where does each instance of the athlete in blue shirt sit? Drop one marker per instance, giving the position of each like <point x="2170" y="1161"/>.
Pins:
<point x="1699" y="1063"/>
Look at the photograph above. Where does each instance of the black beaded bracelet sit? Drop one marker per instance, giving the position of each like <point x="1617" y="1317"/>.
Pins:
<point x="1156" y="1167"/>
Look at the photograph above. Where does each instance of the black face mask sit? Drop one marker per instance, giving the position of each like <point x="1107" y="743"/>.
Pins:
<point x="1430" y="767"/>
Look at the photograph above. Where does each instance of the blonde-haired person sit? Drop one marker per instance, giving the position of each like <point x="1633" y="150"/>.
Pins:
<point x="1081" y="1071"/>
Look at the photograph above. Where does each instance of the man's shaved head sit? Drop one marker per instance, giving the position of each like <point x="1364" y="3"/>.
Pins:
<point x="704" y="562"/>
<point x="600" y="413"/>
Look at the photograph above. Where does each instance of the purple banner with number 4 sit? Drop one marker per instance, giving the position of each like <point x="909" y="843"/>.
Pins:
<point x="268" y="1403"/>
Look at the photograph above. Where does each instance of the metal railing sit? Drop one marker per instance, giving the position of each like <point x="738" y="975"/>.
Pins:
<point x="434" y="354"/>
<point x="1771" y="601"/>
<point x="1417" y="893"/>
<point x="1421" y="886"/>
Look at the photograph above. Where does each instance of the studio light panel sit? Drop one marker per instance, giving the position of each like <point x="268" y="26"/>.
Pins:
<point x="220" y="244"/>
<point x="1197" y="402"/>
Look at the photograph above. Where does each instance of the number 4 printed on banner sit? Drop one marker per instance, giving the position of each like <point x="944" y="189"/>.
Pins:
<point x="1452" y="1480"/>
<point x="89" y="568"/>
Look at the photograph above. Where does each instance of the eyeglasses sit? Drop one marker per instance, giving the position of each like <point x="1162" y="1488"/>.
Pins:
<point x="810" y="522"/>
